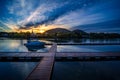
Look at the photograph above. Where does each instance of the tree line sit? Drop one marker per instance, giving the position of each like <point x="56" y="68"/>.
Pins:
<point x="26" y="35"/>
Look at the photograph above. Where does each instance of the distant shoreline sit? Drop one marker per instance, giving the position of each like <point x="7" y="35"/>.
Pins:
<point x="60" y="33"/>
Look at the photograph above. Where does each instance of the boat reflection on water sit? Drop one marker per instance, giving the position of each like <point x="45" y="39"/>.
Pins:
<point x="34" y="45"/>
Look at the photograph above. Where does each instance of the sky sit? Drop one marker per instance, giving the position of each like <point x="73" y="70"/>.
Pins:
<point x="87" y="15"/>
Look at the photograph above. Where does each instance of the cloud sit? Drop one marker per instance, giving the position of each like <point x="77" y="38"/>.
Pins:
<point x="3" y="26"/>
<point x="45" y="12"/>
<point x="20" y="9"/>
<point x="26" y="13"/>
<point x="38" y="14"/>
<point x="60" y="10"/>
<point x="98" y="13"/>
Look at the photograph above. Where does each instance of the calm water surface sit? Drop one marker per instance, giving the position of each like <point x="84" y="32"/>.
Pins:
<point x="85" y="40"/>
<point x="15" y="70"/>
<point x="88" y="48"/>
<point x="102" y="70"/>
<point x="17" y="46"/>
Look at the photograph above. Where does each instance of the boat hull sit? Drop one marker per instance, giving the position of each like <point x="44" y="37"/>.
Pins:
<point x="34" y="46"/>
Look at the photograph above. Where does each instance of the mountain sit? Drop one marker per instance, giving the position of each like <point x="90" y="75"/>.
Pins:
<point x="57" y="30"/>
<point x="78" y="31"/>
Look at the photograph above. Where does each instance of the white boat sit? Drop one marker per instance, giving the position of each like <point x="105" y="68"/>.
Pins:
<point x="34" y="45"/>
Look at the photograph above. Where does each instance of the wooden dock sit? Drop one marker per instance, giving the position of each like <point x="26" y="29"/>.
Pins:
<point x="58" y="55"/>
<point x="44" y="68"/>
<point x="85" y="43"/>
<point x="87" y="54"/>
<point x="46" y="60"/>
<point x="90" y="56"/>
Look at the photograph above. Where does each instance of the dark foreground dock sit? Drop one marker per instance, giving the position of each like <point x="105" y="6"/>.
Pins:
<point x="85" y="43"/>
<point x="44" y="69"/>
<point x="79" y="56"/>
<point x="46" y="60"/>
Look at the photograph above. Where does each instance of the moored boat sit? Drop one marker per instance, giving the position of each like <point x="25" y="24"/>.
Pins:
<point x="34" y="45"/>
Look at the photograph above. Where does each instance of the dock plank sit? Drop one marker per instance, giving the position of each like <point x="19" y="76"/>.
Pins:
<point x="85" y="54"/>
<point x="44" y="68"/>
<point x="60" y="54"/>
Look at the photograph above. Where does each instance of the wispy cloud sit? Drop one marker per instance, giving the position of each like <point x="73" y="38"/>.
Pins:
<point x="95" y="14"/>
<point x="21" y="9"/>
<point x="27" y="11"/>
<point x="67" y="13"/>
<point x="39" y="14"/>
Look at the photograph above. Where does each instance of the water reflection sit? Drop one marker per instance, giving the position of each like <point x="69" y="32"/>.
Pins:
<point x="7" y="45"/>
<point x="17" y="46"/>
<point x="84" y="40"/>
<point x="15" y="70"/>
<point x="88" y="48"/>
<point x="102" y="70"/>
<point x="12" y="45"/>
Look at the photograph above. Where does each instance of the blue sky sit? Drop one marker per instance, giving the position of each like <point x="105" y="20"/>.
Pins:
<point x="87" y="15"/>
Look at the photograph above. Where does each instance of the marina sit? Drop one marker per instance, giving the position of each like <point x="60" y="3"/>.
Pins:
<point x="59" y="40"/>
<point x="43" y="70"/>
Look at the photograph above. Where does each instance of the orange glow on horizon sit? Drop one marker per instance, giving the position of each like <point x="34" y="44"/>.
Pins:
<point x="34" y="29"/>
<point x="38" y="29"/>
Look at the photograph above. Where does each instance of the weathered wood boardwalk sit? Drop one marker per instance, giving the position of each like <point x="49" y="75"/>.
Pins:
<point x="85" y="43"/>
<point x="58" y="54"/>
<point x="86" y="54"/>
<point x="98" y="56"/>
<point x="44" y="68"/>
<point x="62" y="56"/>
